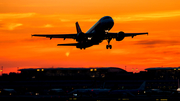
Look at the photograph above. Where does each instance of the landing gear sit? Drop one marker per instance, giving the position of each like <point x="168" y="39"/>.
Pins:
<point x="109" y="46"/>
<point x="82" y="48"/>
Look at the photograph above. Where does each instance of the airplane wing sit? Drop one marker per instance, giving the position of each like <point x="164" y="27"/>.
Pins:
<point x="114" y="35"/>
<point x="133" y="34"/>
<point x="73" y="36"/>
<point x="69" y="44"/>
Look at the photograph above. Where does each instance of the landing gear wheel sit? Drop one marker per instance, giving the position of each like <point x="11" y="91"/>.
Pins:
<point x="108" y="46"/>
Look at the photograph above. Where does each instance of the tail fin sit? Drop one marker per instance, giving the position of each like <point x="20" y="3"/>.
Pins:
<point x="142" y="87"/>
<point x="78" y="28"/>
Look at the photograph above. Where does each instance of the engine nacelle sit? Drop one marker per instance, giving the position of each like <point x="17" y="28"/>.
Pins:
<point x="80" y="37"/>
<point x="120" y="36"/>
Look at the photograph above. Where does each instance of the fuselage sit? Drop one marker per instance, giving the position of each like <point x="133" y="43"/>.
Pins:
<point x="99" y="29"/>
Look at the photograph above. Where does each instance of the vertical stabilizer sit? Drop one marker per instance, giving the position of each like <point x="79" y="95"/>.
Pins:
<point x="78" y="28"/>
<point x="142" y="87"/>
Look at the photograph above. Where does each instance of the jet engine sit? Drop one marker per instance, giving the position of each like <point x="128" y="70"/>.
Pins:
<point x="120" y="36"/>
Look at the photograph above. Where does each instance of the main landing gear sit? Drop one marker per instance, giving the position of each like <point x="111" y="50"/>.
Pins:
<point x="109" y="46"/>
<point x="83" y="48"/>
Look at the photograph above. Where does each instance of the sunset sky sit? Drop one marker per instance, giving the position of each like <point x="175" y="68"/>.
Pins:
<point x="19" y="19"/>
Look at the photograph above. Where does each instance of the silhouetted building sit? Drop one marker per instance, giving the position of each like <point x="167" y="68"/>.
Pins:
<point x="51" y="80"/>
<point x="98" y="72"/>
<point x="163" y="78"/>
<point x="160" y="73"/>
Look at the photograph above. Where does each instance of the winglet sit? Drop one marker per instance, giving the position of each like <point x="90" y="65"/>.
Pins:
<point x="78" y="28"/>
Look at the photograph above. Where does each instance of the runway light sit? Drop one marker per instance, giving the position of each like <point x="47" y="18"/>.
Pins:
<point x="37" y="69"/>
<point x="91" y="70"/>
<point x="93" y="76"/>
<point x="125" y="99"/>
<point x="164" y="99"/>
<point x="74" y="98"/>
<point x="95" y="69"/>
<point x="103" y="75"/>
<point x="70" y="98"/>
<point x="42" y="69"/>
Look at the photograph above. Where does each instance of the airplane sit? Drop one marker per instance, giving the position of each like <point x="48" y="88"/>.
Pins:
<point x="88" y="91"/>
<point x="129" y="91"/>
<point x="96" y="90"/>
<point x="95" y="35"/>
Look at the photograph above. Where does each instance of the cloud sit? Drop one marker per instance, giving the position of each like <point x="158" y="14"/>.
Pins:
<point x="119" y="51"/>
<point x="48" y="25"/>
<point x="89" y="20"/>
<point x="12" y="26"/>
<point x="153" y="42"/>
<point x="15" y="15"/>
<point x="160" y="44"/>
<point x="160" y="14"/>
<point x="147" y="16"/>
<point x="64" y="20"/>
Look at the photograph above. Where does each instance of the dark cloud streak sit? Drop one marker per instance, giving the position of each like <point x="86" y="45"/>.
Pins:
<point x="157" y="43"/>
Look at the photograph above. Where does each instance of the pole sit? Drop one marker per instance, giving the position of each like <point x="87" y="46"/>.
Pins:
<point x="178" y="83"/>
<point x="1" y="70"/>
<point x="17" y="69"/>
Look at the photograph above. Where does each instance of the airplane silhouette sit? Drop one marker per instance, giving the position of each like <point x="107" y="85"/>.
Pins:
<point x="95" y="35"/>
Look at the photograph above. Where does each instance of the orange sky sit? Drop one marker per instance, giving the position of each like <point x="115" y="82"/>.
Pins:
<point x="21" y="18"/>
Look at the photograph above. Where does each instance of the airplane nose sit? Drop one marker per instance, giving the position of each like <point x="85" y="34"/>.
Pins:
<point x="111" y="21"/>
<point x="106" y="22"/>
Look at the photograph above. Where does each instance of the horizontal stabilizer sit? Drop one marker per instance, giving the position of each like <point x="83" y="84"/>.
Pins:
<point x="70" y="44"/>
